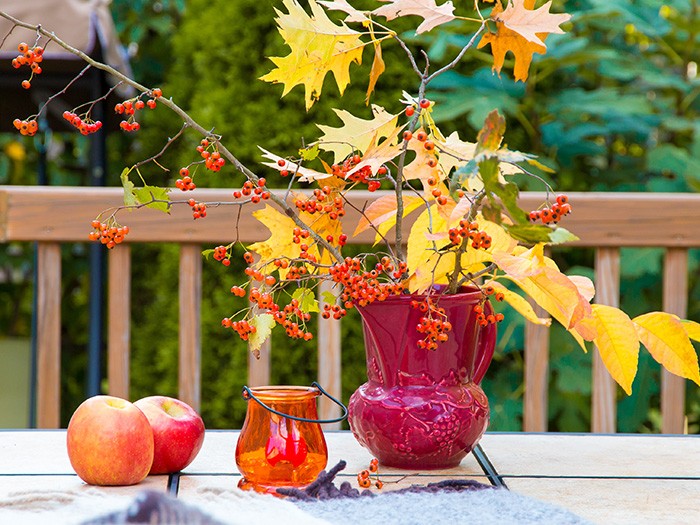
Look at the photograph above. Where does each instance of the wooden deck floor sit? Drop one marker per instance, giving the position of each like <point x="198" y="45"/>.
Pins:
<point x="604" y="478"/>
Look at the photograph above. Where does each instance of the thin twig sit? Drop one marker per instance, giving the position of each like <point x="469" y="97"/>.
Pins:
<point x="162" y="151"/>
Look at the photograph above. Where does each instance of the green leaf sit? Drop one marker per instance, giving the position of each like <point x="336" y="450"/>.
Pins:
<point x="488" y="169"/>
<point x="561" y="235"/>
<point x="328" y="297"/>
<point x="508" y="193"/>
<point x="309" y="153"/>
<point x="148" y="193"/>
<point x="529" y="233"/>
<point x="208" y="254"/>
<point x="307" y="300"/>
<point x="263" y="324"/>
<point x="129" y="197"/>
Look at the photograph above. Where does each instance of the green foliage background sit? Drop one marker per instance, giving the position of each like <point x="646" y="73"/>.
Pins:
<point x="613" y="106"/>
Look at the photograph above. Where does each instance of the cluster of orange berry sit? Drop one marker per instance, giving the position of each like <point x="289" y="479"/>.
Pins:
<point x="221" y="255"/>
<point x="322" y="202"/>
<point x="553" y="214"/>
<point x="199" y="209"/>
<point x="26" y="127"/>
<point x="362" y="287"/>
<point x="212" y="159"/>
<point x="336" y="311"/>
<point x="484" y="319"/>
<point x="130" y="107"/>
<point x="242" y="328"/>
<point x="364" y="478"/>
<point x="256" y="192"/>
<point x="185" y="183"/>
<point x="108" y="235"/>
<point x="471" y="231"/>
<point x="423" y="104"/>
<point x="363" y="175"/>
<point x="85" y="127"/>
<point x="31" y="57"/>
<point x="433" y="324"/>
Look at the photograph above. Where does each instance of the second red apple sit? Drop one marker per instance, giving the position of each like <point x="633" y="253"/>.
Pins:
<point x="178" y="432"/>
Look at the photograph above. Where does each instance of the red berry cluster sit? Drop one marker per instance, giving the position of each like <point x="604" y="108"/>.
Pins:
<point x="131" y="106"/>
<point x="363" y="175"/>
<point x="433" y="324"/>
<point x="108" y="234"/>
<point x="209" y="150"/>
<point x="471" y="231"/>
<point x="323" y="201"/>
<point x="364" y="478"/>
<point x="484" y="319"/>
<point x="362" y="287"/>
<point x="335" y="311"/>
<point x="553" y="214"/>
<point x="26" y="127"/>
<point x="242" y="328"/>
<point x="256" y="191"/>
<point x="199" y="209"/>
<point x="31" y="57"/>
<point x="221" y="254"/>
<point x="297" y="235"/>
<point x="185" y="183"/>
<point x="86" y="126"/>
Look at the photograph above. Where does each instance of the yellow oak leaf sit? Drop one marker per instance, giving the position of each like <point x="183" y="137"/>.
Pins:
<point x="666" y="339"/>
<point x="692" y="329"/>
<point x="356" y="134"/>
<point x="433" y="270"/>
<point x="528" y="22"/>
<point x="432" y="14"/>
<point x="318" y="46"/>
<point x="419" y="167"/>
<point x="618" y="344"/>
<point x="381" y="213"/>
<point x="378" y="66"/>
<point x="519" y="304"/>
<point x="378" y="154"/>
<point x="504" y="40"/>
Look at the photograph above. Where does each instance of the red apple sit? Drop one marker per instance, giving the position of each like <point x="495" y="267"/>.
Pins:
<point x="178" y="432"/>
<point x="110" y="442"/>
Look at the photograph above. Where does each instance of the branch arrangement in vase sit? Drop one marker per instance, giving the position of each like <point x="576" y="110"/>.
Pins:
<point x="470" y="230"/>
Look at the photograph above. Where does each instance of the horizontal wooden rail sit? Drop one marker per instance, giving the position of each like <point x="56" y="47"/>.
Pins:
<point x="53" y="215"/>
<point x="63" y="214"/>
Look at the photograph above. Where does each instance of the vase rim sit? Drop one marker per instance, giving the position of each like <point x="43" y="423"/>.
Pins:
<point x="462" y="293"/>
<point x="285" y="392"/>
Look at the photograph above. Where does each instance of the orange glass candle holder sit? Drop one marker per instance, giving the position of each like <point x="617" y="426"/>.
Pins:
<point x="281" y="443"/>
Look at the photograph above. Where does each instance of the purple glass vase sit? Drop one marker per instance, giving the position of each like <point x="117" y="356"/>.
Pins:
<point x="422" y="409"/>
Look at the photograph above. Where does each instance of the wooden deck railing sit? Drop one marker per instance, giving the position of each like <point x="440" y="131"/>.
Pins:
<point x="54" y="215"/>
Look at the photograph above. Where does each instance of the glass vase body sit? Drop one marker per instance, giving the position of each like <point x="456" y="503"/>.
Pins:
<point x="422" y="409"/>
<point x="276" y="451"/>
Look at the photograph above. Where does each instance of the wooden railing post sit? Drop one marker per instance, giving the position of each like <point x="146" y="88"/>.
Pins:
<point x="329" y="361"/>
<point x="48" y="329"/>
<point x="607" y="283"/>
<point x="190" y="336"/>
<point x="535" y="397"/>
<point x="119" y="321"/>
<point x="675" y="301"/>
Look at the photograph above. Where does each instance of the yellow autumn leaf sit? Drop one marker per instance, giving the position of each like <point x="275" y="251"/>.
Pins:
<point x="617" y="344"/>
<point x="692" y="329"/>
<point x="381" y="213"/>
<point x="378" y="66"/>
<point x="505" y="39"/>
<point x="521" y="17"/>
<point x="433" y="270"/>
<point x="585" y="286"/>
<point x="304" y="174"/>
<point x="318" y="46"/>
<point x="420" y="167"/>
<point x="666" y="339"/>
<point x="429" y="221"/>
<point x="522" y="263"/>
<point x="356" y="134"/>
<point x="378" y="154"/>
<point x="519" y="304"/>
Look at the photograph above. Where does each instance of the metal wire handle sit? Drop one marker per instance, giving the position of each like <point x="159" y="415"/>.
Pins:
<point x="248" y="394"/>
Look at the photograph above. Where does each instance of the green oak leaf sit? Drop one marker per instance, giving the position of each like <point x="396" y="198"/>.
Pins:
<point x="309" y="153"/>
<point x="129" y="197"/>
<point x="263" y="324"/>
<point x="147" y="193"/>
<point x="328" y="297"/>
<point x="307" y="300"/>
